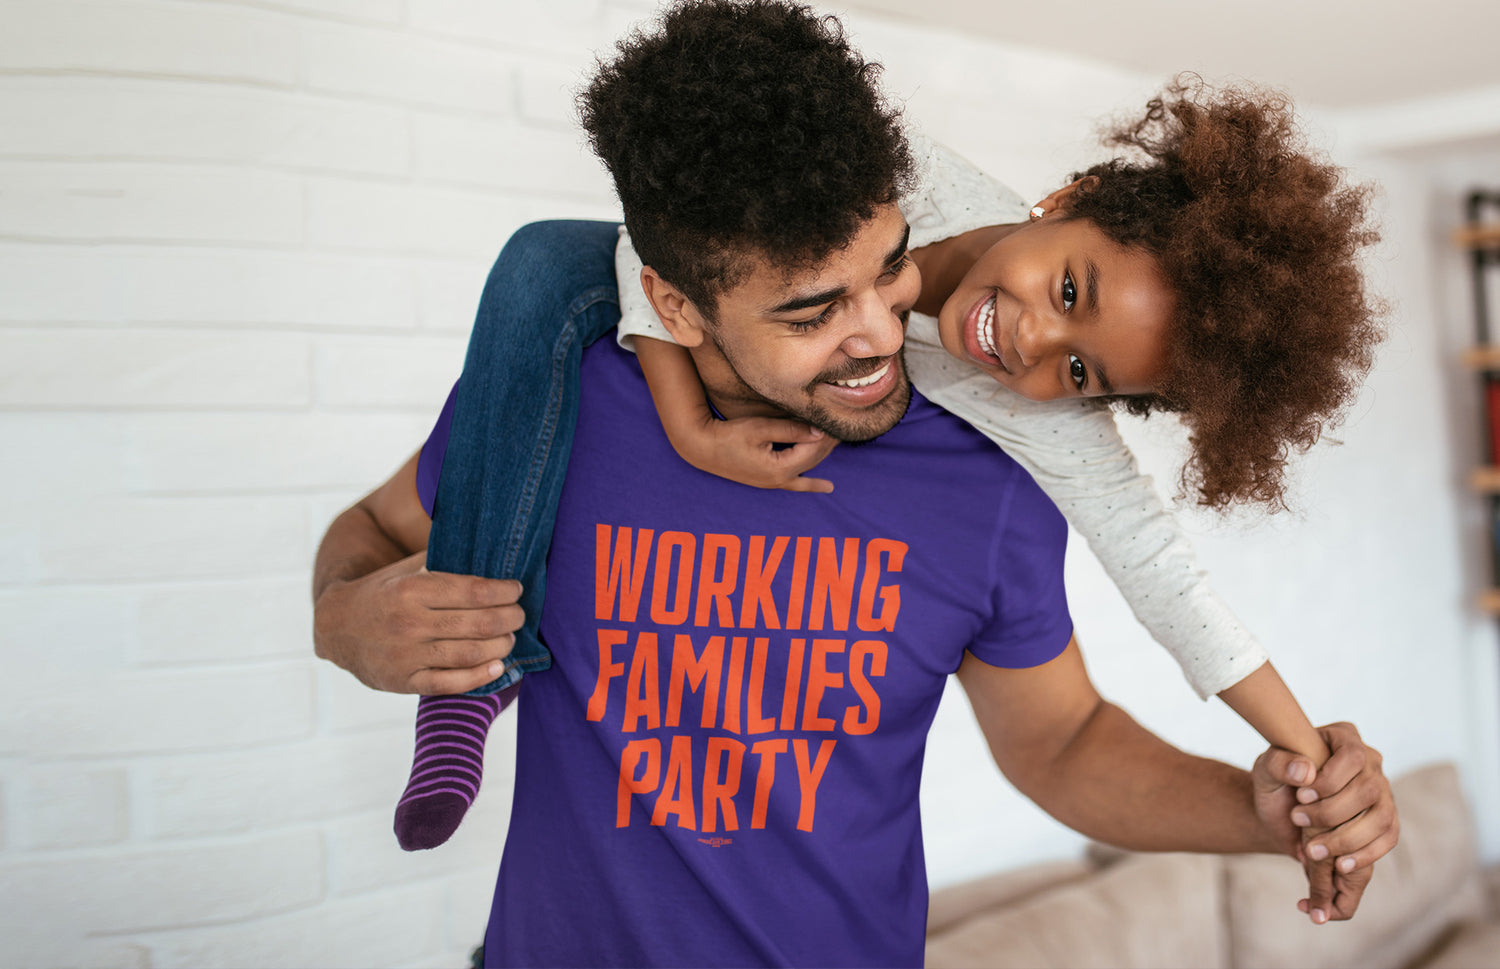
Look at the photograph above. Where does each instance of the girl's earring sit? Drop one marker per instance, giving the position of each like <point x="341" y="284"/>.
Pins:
<point x="1037" y="212"/>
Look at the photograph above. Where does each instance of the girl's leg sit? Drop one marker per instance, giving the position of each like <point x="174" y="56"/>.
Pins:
<point x="551" y="292"/>
<point x="447" y="765"/>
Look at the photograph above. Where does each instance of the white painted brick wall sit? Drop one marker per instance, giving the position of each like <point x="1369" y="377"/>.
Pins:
<point x="241" y="243"/>
<point x="95" y="202"/>
<point x="545" y="90"/>
<point x="171" y="538"/>
<point x="144" y="712"/>
<point x="73" y="806"/>
<point x="448" y="293"/>
<point x="198" y="41"/>
<point x="387" y="928"/>
<point x="227" y="793"/>
<point x="345" y="705"/>
<point x="222" y="286"/>
<point x="124" y="892"/>
<point x="382" y="217"/>
<point x="566" y="27"/>
<point x="266" y="452"/>
<point x="113" y="119"/>
<point x="85" y="368"/>
<point x="53" y="632"/>
<point x="403" y="66"/>
<point x="373" y="371"/>
<point x="253" y="619"/>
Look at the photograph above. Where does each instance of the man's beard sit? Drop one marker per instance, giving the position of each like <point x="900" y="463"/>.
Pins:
<point x="860" y="429"/>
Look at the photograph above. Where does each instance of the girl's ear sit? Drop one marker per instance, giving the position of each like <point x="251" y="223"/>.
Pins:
<point x="677" y="313"/>
<point x="1058" y="200"/>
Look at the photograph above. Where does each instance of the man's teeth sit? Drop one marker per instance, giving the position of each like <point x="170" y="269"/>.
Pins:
<point x="863" y="381"/>
<point x="984" y="331"/>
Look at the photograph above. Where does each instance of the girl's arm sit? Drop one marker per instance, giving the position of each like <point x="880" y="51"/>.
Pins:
<point x="763" y="452"/>
<point x="1266" y="704"/>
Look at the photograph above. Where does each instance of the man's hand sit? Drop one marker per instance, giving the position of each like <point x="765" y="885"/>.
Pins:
<point x="403" y="629"/>
<point x="1350" y="797"/>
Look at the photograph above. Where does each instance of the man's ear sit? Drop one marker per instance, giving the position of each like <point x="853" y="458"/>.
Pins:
<point x="1058" y="200"/>
<point x="677" y="313"/>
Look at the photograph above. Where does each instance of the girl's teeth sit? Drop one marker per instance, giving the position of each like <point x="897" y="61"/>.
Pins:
<point x="985" y="330"/>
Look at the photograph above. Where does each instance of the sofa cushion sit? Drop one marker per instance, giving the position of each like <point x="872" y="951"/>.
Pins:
<point x="1476" y="945"/>
<point x="949" y="906"/>
<point x="1147" y="911"/>
<point x="1429" y="883"/>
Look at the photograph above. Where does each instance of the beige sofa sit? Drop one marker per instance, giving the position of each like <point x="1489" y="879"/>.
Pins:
<point x="1430" y="905"/>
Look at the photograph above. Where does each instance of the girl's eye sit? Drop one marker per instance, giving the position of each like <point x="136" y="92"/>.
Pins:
<point x="1069" y="291"/>
<point x="1078" y="372"/>
<point x="802" y="326"/>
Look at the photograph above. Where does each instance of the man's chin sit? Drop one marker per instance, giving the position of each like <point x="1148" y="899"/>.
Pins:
<point x="866" y="426"/>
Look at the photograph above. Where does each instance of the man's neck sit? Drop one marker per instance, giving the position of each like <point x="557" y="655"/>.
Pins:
<point x="727" y="394"/>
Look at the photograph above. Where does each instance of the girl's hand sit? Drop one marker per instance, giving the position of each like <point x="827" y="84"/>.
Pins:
<point x="763" y="452"/>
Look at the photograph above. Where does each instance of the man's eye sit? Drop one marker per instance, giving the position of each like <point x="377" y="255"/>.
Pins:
<point x="1078" y="372"/>
<point x="802" y="326"/>
<point x="1069" y="291"/>
<point x="899" y="266"/>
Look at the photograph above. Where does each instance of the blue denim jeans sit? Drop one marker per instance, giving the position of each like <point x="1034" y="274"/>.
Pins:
<point x="550" y="293"/>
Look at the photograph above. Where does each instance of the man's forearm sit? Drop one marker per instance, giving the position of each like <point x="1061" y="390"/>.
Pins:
<point x="1118" y="783"/>
<point x="365" y="548"/>
<point x="354" y="546"/>
<point x="1088" y="764"/>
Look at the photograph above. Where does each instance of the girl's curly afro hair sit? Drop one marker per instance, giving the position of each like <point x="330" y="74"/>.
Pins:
<point x="1261" y="241"/>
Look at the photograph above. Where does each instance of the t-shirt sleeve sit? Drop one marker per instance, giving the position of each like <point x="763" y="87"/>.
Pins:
<point x="430" y="459"/>
<point x="953" y="196"/>
<point x="1030" y="624"/>
<point x="637" y="318"/>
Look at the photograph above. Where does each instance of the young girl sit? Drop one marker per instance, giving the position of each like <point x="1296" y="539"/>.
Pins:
<point x="1256" y="244"/>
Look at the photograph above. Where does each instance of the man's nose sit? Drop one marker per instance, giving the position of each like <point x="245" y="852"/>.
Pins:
<point x="878" y="330"/>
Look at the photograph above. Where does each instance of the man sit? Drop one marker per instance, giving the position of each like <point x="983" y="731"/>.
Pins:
<point x="721" y="767"/>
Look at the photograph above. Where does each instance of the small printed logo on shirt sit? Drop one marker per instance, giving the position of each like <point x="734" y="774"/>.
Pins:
<point x="716" y="842"/>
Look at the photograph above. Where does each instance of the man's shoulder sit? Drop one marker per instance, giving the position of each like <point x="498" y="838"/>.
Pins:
<point x="942" y="465"/>
<point x="929" y="427"/>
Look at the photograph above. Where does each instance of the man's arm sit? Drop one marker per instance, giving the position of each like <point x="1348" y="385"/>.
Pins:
<point x="1088" y="764"/>
<point x="397" y="627"/>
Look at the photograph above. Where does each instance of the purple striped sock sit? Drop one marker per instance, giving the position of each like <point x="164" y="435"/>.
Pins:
<point x="447" y="765"/>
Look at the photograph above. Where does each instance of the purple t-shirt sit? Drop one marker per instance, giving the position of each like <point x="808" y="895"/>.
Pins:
<point x="430" y="459"/>
<point x="722" y="766"/>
